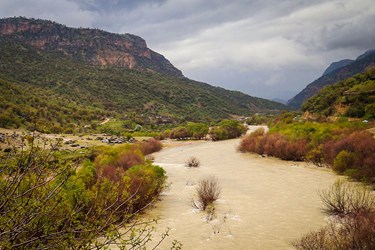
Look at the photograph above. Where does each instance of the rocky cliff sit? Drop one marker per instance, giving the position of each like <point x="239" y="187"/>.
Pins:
<point x="90" y="45"/>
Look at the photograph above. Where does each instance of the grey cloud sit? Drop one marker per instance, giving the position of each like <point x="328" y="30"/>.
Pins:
<point x="114" y="5"/>
<point x="359" y="35"/>
<point x="266" y="48"/>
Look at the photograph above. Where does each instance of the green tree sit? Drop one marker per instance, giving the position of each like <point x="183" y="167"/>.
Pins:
<point x="197" y="130"/>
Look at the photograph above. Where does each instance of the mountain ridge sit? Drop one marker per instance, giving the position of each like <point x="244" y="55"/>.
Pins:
<point x="359" y="65"/>
<point x="100" y="47"/>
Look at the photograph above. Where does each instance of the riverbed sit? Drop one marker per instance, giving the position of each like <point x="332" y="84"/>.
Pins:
<point x="265" y="203"/>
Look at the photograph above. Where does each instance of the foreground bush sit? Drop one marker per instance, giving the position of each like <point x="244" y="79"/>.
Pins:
<point x="208" y="191"/>
<point x="346" y="199"/>
<point x="49" y="202"/>
<point x="354" y="228"/>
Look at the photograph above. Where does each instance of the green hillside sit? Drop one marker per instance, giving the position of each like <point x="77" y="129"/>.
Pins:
<point x="357" y="66"/>
<point x="353" y="97"/>
<point x="59" y="92"/>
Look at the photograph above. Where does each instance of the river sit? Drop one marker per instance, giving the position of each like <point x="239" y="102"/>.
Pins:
<point x="265" y="203"/>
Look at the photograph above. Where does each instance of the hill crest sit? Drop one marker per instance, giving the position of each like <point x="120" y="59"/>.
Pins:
<point x="89" y="45"/>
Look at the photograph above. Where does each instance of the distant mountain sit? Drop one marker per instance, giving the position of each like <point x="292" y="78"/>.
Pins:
<point x="367" y="53"/>
<point x="353" y="97"/>
<point x="337" y="65"/>
<point x="89" y="45"/>
<point x="359" y="65"/>
<point x="62" y="78"/>
<point x="279" y="100"/>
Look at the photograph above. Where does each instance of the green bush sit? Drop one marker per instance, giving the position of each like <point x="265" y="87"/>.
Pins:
<point x="59" y="204"/>
<point x="218" y="133"/>
<point x="343" y="161"/>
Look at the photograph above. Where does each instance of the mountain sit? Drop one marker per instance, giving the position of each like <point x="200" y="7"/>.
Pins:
<point x="359" y="65"/>
<point x="88" y="45"/>
<point x="59" y="82"/>
<point x="353" y="97"/>
<point x="336" y="65"/>
<point x="279" y="100"/>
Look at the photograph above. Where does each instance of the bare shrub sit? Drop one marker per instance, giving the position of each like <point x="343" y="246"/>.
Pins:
<point x="208" y="191"/>
<point x="356" y="232"/>
<point x="192" y="162"/>
<point x="346" y="199"/>
<point x="353" y="228"/>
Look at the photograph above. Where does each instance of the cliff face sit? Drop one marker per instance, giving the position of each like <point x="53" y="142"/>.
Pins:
<point x="91" y="45"/>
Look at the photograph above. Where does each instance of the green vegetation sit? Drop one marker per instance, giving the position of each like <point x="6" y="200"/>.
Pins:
<point x="192" y="130"/>
<point x="358" y="66"/>
<point x="227" y="129"/>
<point x="54" y="93"/>
<point x="353" y="97"/>
<point x="345" y="146"/>
<point x="47" y="201"/>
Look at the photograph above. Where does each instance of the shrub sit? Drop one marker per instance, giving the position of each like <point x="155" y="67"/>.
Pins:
<point x="180" y="133"/>
<point x="192" y="162"/>
<point x="343" y="161"/>
<point x="354" y="228"/>
<point x="145" y="183"/>
<point x="274" y="144"/>
<point x="197" y="130"/>
<point x="62" y="206"/>
<point x="344" y="234"/>
<point x="208" y="191"/>
<point x="218" y="133"/>
<point x="346" y="199"/>
<point x="360" y="154"/>
<point x="129" y="159"/>
<point x="150" y="146"/>
<point x="316" y="156"/>
<point x="234" y="128"/>
<point x="253" y="142"/>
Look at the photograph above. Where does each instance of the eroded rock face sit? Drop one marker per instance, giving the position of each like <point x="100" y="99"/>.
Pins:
<point x="91" y="45"/>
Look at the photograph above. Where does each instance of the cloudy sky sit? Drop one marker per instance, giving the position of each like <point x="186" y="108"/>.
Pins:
<point x="265" y="48"/>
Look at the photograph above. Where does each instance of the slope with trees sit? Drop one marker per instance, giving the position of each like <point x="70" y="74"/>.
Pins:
<point x="64" y="93"/>
<point x="358" y="66"/>
<point x="353" y="97"/>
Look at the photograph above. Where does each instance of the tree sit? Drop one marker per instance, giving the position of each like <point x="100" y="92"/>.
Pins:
<point x="180" y="133"/>
<point x="197" y="130"/>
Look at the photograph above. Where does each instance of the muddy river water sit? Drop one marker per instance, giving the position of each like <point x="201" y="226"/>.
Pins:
<point x="265" y="203"/>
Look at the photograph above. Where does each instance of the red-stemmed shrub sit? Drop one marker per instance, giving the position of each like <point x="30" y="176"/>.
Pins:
<point x="112" y="173"/>
<point x="129" y="159"/>
<point x="150" y="146"/>
<point x="360" y="145"/>
<point x="274" y="145"/>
